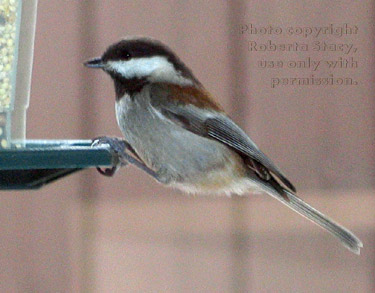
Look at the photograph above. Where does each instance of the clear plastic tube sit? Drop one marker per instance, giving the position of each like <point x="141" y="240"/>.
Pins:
<point x="17" y="26"/>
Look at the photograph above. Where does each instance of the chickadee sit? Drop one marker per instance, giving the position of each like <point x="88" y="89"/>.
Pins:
<point x="182" y="137"/>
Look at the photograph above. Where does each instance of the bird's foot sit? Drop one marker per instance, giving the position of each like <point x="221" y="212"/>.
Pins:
<point x="118" y="147"/>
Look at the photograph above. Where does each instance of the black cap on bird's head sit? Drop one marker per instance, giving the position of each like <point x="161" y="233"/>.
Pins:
<point x="143" y="58"/>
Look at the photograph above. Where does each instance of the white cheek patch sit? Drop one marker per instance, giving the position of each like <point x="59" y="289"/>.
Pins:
<point x="155" y="68"/>
<point x="140" y="67"/>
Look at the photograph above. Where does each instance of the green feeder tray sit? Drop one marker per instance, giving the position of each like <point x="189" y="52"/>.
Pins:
<point x="39" y="162"/>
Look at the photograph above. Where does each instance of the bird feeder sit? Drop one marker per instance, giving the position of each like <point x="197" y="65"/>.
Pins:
<point x="26" y="164"/>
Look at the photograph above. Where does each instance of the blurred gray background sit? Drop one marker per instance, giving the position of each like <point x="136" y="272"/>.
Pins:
<point x="88" y="233"/>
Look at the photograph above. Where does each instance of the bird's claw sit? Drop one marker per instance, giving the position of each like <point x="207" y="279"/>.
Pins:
<point x="109" y="172"/>
<point x="118" y="147"/>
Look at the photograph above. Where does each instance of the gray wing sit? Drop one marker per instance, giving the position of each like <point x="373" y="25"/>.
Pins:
<point x="220" y="127"/>
<point x="226" y="131"/>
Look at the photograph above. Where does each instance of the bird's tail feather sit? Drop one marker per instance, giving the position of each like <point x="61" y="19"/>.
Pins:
<point x="347" y="238"/>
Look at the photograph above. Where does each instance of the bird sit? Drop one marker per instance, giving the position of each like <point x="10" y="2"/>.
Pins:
<point x="176" y="131"/>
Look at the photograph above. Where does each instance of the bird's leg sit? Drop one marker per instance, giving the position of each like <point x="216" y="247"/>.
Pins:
<point x="119" y="147"/>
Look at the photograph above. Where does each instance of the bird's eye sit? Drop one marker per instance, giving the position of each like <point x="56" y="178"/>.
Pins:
<point x="125" y="55"/>
<point x="121" y="54"/>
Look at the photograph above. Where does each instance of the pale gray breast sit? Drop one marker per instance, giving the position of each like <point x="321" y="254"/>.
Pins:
<point x="163" y="144"/>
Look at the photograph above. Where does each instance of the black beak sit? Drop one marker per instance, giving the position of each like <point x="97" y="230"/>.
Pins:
<point x="94" y="63"/>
